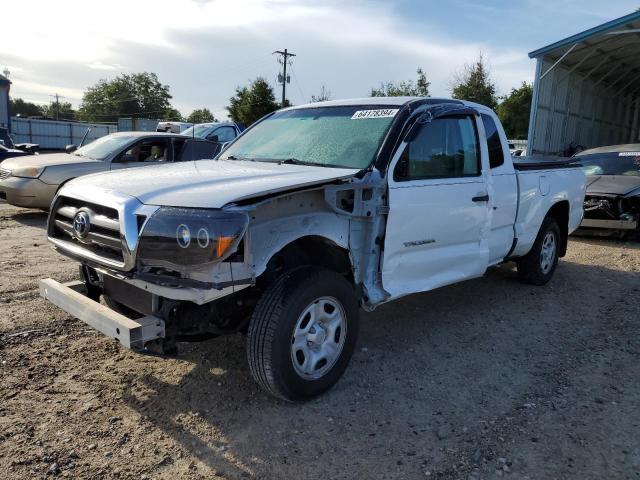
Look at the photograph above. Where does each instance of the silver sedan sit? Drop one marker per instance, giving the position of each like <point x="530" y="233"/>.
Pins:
<point x="33" y="181"/>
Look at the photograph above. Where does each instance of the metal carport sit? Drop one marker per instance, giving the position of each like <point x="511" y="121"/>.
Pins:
<point x="5" y="84"/>
<point x="587" y="89"/>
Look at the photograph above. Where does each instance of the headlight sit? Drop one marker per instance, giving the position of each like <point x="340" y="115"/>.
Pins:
<point x="28" y="172"/>
<point x="189" y="236"/>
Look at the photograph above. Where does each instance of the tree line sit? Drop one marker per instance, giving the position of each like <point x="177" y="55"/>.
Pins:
<point x="142" y="95"/>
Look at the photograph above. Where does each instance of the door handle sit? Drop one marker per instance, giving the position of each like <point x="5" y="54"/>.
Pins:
<point x="481" y="198"/>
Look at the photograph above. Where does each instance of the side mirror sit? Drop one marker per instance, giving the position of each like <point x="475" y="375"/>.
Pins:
<point x="70" y="148"/>
<point x="213" y="138"/>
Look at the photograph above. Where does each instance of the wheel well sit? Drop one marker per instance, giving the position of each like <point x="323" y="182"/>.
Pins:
<point x="62" y="184"/>
<point x="309" y="250"/>
<point x="560" y="212"/>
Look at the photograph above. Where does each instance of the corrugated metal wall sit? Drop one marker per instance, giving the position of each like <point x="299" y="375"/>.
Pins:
<point x="568" y="108"/>
<point x="137" y="124"/>
<point x="51" y="134"/>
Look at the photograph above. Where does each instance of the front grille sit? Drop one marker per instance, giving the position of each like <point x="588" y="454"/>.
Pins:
<point x="4" y="174"/>
<point x="103" y="235"/>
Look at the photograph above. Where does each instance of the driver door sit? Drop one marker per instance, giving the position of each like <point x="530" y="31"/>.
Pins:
<point x="438" y="223"/>
<point x="150" y="151"/>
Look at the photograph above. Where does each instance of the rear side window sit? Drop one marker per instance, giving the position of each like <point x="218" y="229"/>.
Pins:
<point x="444" y="148"/>
<point x="496" y="155"/>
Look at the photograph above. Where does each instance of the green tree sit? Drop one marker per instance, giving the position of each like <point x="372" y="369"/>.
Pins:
<point x="407" y="88"/>
<point x="514" y="111"/>
<point x="171" y="113"/>
<point x="138" y="94"/>
<point x="23" y="108"/>
<point x="59" y="111"/>
<point x="201" y="115"/>
<point x="252" y="103"/>
<point x="475" y="85"/>
<point x="323" y="96"/>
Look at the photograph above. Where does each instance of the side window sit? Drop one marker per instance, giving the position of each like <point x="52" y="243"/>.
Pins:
<point x="146" y="151"/>
<point x="443" y="148"/>
<point x="197" y="149"/>
<point x="496" y="155"/>
<point x="225" y="134"/>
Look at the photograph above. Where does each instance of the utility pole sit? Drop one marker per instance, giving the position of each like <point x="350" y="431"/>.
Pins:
<point x="282" y="78"/>
<point x="57" y="103"/>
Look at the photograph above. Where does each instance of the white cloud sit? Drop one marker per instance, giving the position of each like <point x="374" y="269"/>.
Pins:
<point x="203" y="49"/>
<point x="103" y="66"/>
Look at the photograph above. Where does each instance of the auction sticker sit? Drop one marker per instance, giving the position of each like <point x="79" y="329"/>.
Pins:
<point x="380" y="113"/>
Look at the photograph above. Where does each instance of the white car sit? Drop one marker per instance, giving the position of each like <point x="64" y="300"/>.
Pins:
<point x="312" y="213"/>
<point x="173" y="127"/>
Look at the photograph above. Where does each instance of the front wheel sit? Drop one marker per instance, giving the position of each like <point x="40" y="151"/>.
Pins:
<point x="537" y="267"/>
<point x="303" y="333"/>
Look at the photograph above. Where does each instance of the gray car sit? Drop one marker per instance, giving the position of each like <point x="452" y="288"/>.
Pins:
<point x="33" y="181"/>
<point x="612" y="202"/>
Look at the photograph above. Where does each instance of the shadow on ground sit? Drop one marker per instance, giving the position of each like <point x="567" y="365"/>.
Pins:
<point x="449" y="382"/>
<point x="30" y="218"/>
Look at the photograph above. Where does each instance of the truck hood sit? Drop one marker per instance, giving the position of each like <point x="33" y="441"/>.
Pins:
<point x="612" y="184"/>
<point x="46" y="160"/>
<point x="209" y="183"/>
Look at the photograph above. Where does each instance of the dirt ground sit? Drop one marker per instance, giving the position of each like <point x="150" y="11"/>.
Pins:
<point x="485" y="379"/>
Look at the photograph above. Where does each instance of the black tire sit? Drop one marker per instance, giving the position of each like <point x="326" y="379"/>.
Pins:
<point x="531" y="267"/>
<point x="274" y="320"/>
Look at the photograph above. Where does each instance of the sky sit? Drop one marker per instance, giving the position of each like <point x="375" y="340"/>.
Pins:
<point x="204" y="49"/>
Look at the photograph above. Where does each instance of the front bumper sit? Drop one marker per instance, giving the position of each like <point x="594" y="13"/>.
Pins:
<point x="610" y="224"/>
<point x="27" y="192"/>
<point x="130" y="333"/>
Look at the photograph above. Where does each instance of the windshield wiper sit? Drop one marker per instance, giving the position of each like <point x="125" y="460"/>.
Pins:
<point x="295" y="161"/>
<point x="233" y="157"/>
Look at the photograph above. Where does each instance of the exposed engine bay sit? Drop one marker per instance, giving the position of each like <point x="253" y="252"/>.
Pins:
<point x="612" y="212"/>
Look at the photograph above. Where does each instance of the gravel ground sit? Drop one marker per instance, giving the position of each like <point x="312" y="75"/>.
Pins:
<point x="484" y="379"/>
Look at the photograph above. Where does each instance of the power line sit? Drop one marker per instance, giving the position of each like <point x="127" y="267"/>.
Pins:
<point x="295" y="79"/>
<point x="284" y="60"/>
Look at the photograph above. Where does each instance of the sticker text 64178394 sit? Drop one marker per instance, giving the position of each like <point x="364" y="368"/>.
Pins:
<point x="380" y="113"/>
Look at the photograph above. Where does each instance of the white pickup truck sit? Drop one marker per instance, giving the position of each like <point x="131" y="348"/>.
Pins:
<point x="312" y="213"/>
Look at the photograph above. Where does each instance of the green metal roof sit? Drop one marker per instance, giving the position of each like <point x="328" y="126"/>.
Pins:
<point x="592" y="32"/>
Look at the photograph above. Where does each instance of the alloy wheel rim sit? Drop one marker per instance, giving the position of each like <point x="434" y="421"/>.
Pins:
<point x="318" y="338"/>
<point x="548" y="252"/>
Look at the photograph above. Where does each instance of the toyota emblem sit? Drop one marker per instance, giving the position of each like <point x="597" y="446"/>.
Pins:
<point x="81" y="224"/>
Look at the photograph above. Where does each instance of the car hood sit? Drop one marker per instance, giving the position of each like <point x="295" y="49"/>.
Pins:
<point x="46" y="160"/>
<point x="612" y="184"/>
<point x="208" y="183"/>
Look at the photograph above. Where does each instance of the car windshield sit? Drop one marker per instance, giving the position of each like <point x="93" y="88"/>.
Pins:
<point x="103" y="147"/>
<point x="625" y="163"/>
<point x="198" y="131"/>
<point x="346" y="136"/>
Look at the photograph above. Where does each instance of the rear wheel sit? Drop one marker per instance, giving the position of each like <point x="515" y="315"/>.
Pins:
<point x="537" y="267"/>
<point x="302" y="333"/>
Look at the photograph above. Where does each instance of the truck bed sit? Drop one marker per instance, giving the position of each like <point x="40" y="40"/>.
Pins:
<point x="544" y="163"/>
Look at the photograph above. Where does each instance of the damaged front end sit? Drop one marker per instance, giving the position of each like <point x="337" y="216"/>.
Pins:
<point x="611" y="212"/>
